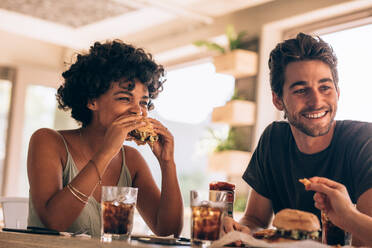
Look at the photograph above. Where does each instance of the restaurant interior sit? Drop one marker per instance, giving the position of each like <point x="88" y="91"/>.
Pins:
<point x="215" y="104"/>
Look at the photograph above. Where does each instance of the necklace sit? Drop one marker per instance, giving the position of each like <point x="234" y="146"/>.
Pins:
<point x="90" y="160"/>
<point x="83" y="143"/>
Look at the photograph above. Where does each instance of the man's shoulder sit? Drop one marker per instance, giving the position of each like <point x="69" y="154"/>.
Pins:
<point x="275" y="132"/>
<point x="352" y="129"/>
<point x="278" y="128"/>
<point x="353" y="134"/>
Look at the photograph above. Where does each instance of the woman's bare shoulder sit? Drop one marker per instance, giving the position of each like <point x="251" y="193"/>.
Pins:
<point x="46" y="139"/>
<point x="45" y="134"/>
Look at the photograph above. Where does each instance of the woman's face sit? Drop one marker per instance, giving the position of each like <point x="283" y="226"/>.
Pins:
<point x="119" y="100"/>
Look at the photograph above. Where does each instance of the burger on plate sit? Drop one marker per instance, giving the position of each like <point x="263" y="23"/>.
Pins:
<point x="144" y="134"/>
<point x="291" y="225"/>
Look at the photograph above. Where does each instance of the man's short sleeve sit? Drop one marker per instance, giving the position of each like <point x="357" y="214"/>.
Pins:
<point x="254" y="175"/>
<point x="361" y="162"/>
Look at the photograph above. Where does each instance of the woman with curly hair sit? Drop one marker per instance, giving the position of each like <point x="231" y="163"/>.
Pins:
<point x="109" y="91"/>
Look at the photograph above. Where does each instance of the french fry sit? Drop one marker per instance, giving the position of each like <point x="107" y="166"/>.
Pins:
<point x="306" y="182"/>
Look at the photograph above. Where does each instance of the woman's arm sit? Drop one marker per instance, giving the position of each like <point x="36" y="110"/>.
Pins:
<point x="333" y="198"/>
<point x="162" y="212"/>
<point x="56" y="206"/>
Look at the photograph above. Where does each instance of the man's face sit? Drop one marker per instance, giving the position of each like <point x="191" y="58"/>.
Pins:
<point x="309" y="97"/>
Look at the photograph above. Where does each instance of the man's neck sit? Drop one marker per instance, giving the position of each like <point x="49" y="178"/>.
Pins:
<point x="310" y="145"/>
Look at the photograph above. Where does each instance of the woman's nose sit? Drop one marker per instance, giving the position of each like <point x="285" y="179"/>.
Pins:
<point x="136" y="109"/>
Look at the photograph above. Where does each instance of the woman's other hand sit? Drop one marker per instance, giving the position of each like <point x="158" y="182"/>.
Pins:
<point x="332" y="198"/>
<point x="163" y="148"/>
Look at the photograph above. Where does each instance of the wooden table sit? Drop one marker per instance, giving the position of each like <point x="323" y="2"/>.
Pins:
<point x="25" y="240"/>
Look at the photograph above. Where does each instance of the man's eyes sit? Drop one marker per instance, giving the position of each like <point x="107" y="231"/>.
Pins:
<point x="300" y="91"/>
<point x="304" y="90"/>
<point x="325" y="87"/>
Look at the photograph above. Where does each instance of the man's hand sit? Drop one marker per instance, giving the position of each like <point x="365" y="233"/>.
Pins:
<point x="229" y="225"/>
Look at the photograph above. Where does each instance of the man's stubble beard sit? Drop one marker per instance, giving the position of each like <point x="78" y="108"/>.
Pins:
<point x="314" y="131"/>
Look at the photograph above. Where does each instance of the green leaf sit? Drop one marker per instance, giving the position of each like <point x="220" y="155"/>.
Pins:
<point x="239" y="39"/>
<point x="210" y="45"/>
<point x="241" y="34"/>
<point x="234" y="45"/>
<point x="230" y="32"/>
<point x="235" y="40"/>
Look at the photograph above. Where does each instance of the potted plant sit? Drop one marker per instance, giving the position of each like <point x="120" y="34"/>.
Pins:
<point x="234" y="60"/>
<point x="228" y="156"/>
<point x="236" y="112"/>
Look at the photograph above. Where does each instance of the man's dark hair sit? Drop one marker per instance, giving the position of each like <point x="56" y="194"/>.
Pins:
<point x="303" y="47"/>
<point x="92" y="74"/>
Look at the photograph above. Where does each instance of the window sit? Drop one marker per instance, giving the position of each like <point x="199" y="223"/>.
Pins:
<point x="5" y="96"/>
<point x="185" y="108"/>
<point x="40" y="112"/>
<point x="353" y="50"/>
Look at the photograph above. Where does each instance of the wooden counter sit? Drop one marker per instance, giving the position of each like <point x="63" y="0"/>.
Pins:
<point x="24" y="240"/>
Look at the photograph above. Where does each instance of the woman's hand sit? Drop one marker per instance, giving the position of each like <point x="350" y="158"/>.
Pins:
<point x="163" y="149"/>
<point x="332" y="198"/>
<point x="118" y="131"/>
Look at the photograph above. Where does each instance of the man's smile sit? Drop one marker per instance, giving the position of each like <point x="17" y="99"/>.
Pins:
<point x="315" y="115"/>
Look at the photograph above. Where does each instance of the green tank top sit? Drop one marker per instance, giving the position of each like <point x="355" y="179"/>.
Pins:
<point x="89" y="219"/>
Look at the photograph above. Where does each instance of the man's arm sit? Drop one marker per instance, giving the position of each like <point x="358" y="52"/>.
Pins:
<point x="258" y="212"/>
<point x="364" y="205"/>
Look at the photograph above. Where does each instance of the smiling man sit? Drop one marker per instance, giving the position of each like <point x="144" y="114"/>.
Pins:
<point x="304" y="83"/>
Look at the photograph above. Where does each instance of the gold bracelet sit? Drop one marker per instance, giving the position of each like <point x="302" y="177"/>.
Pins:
<point x="99" y="175"/>
<point x="77" y="191"/>
<point x="76" y="196"/>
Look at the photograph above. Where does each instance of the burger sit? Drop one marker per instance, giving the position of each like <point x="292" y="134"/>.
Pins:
<point x="144" y="134"/>
<point x="291" y="225"/>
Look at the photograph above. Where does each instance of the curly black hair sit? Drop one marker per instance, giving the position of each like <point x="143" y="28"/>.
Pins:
<point x="92" y="74"/>
<point x="303" y="47"/>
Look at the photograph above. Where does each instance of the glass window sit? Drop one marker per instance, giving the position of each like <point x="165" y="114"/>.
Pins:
<point x="40" y="112"/>
<point x="5" y="96"/>
<point x="353" y="50"/>
<point x="185" y="107"/>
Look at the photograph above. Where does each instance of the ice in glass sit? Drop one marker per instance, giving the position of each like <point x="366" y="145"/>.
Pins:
<point x="206" y="217"/>
<point x="118" y="205"/>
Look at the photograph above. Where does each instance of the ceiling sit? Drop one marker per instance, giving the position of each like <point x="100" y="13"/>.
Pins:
<point x="78" y="23"/>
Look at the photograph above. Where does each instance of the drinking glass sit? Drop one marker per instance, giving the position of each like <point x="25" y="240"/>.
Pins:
<point x="333" y="235"/>
<point x="206" y="217"/>
<point x="118" y="205"/>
